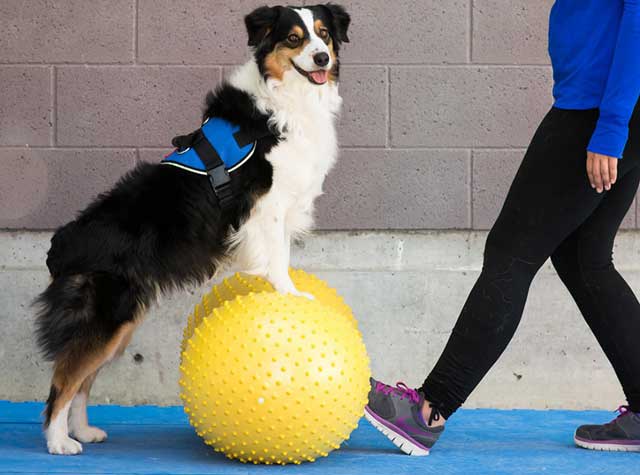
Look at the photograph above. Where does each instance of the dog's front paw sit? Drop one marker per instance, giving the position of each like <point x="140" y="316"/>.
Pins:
<point x="297" y="293"/>
<point x="64" y="446"/>
<point x="305" y="295"/>
<point x="90" y="434"/>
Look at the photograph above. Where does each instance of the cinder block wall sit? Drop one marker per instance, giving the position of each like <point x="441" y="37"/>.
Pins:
<point x="440" y="99"/>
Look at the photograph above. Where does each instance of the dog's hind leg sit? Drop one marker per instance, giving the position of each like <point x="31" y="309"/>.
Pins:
<point x="72" y="369"/>
<point x="79" y="426"/>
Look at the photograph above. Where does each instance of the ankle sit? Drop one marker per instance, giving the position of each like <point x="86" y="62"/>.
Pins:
<point x="427" y="410"/>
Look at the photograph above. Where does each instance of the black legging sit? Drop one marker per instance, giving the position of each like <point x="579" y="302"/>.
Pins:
<point x="550" y="211"/>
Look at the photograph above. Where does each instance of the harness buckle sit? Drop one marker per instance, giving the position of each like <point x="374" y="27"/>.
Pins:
<point x="221" y="183"/>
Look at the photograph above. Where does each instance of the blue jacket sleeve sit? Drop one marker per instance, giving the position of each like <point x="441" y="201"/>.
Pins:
<point x="623" y="87"/>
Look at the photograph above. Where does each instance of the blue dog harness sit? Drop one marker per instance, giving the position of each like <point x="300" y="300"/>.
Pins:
<point x="216" y="149"/>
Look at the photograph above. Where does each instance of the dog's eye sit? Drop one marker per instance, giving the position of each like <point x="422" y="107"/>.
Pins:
<point x="294" y="40"/>
<point x="324" y="34"/>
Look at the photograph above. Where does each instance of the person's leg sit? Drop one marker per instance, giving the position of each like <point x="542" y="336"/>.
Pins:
<point x="584" y="263"/>
<point x="548" y="200"/>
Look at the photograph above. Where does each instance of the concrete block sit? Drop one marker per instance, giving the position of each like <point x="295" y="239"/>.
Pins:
<point x="364" y="112"/>
<point x="493" y="172"/>
<point x="100" y="31"/>
<point x="130" y="106"/>
<point x="406" y="304"/>
<point x="467" y="106"/>
<point x="51" y="185"/>
<point x="25" y="375"/>
<point x="394" y="251"/>
<point x="195" y="32"/>
<point x="25" y="104"/>
<point x="407" y="32"/>
<point x="153" y="155"/>
<point x="510" y="32"/>
<point x="391" y="323"/>
<point x="397" y="189"/>
<point x="24" y="250"/>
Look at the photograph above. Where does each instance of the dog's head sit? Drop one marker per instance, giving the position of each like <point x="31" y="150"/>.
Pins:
<point x="303" y="41"/>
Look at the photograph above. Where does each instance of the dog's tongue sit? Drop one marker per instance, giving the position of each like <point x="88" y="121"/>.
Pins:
<point x="319" y="77"/>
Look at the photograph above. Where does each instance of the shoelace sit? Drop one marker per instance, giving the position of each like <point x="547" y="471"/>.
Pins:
<point x="435" y="413"/>
<point x="412" y="395"/>
<point x="622" y="411"/>
<point x="400" y="389"/>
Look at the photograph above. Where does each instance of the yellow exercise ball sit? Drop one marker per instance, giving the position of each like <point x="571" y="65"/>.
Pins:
<point x="243" y="284"/>
<point x="271" y="378"/>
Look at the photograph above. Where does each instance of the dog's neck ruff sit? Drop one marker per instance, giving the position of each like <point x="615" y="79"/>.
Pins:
<point x="226" y="144"/>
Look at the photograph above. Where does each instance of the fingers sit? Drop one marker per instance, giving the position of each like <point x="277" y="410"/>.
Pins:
<point x="590" y="169"/>
<point x="604" y="167"/>
<point x="613" y="170"/>
<point x="602" y="171"/>
<point x="597" y="175"/>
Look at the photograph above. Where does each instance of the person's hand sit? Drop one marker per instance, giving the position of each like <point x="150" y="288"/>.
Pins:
<point x="602" y="171"/>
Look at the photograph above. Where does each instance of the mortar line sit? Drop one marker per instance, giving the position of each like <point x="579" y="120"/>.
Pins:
<point x="135" y="32"/>
<point x="347" y="147"/>
<point x="471" y="27"/>
<point x="53" y="139"/>
<point x="471" y="214"/>
<point x="347" y="65"/>
<point x="435" y="147"/>
<point x="387" y="142"/>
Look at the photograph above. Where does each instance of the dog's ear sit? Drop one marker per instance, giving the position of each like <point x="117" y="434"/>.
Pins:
<point x="260" y="22"/>
<point x="341" y="20"/>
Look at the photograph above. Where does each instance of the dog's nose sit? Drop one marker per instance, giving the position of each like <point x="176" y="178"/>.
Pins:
<point x="321" y="59"/>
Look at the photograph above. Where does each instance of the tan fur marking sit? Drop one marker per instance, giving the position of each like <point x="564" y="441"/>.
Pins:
<point x="317" y="25"/>
<point x="278" y="61"/>
<point x="77" y="367"/>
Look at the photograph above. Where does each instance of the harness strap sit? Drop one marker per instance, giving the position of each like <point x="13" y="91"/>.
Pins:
<point x="244" y="137"/>
<point x="217" y="149"/>
<point x="216" y="170"/>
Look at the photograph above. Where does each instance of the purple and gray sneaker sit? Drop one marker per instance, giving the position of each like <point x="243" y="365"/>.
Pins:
<point x="397" y="413"/>
<point x="620" y="435"/>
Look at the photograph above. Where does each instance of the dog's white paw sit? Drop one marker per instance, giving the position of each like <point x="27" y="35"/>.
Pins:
<point x="64" y="446"/>
<point x="305" y="295"/>
<point x="90" y="434"/>
<point x="291" y="290"/>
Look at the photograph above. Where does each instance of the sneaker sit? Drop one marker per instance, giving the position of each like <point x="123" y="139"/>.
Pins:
<point x="620" y="435"/>
<point x="397" y="413"/>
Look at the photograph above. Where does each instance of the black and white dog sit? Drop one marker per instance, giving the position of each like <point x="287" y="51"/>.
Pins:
<point x="164" y="227"/>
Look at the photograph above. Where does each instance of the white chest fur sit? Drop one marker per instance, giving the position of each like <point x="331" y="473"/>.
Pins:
<point x="306" y="115"/>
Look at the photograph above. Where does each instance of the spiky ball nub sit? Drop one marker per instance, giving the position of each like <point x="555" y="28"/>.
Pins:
<point x="271" y="378"/>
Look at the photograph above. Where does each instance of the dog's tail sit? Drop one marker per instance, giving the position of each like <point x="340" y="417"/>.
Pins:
<point x="65" y="309"/>
<point x="80" y="309"/>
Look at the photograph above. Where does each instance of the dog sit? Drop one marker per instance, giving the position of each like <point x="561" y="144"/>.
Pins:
<point x="168" y="225"/>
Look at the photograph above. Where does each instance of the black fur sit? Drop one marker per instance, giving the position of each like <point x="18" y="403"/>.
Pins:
<point x="53" y="395"/>
<point x="338" y="22"/>
<point x="159" y="228"/>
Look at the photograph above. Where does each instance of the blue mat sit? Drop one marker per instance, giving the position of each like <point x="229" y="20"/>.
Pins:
<point x="154" y="440"/>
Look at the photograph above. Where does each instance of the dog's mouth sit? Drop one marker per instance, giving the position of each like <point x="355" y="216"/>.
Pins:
<point x="318" y="77"/>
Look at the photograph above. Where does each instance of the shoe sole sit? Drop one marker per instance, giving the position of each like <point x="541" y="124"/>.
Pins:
<point x="401" y="441"/>
<point x="613" y="446"/>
